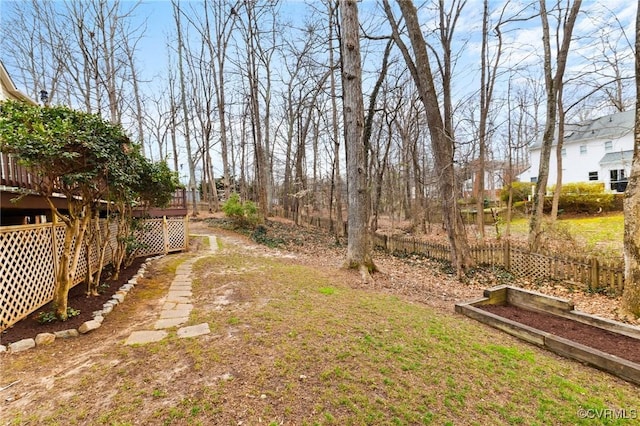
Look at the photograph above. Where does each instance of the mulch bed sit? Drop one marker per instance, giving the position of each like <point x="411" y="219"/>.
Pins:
<point x="29" y="327"/>
<point x="588" y="335"/>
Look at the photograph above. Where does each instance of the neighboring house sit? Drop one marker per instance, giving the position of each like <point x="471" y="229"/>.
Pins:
<point x="598" y="150"/>
<point x="496" y="176"/>
<point x="8" y="89"/>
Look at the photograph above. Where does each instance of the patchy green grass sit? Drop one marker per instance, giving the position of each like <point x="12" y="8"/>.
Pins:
<point x="596" y="235"/>
<point x="594" y="230"/>
<point x="296" y="345"/>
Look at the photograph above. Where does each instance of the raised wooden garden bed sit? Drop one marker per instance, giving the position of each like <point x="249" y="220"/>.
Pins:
<point x="554" y="324"/>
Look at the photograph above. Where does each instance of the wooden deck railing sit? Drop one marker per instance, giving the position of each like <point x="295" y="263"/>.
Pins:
<point x="14" y="175"/>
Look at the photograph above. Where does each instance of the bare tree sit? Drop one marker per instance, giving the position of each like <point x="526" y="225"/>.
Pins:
<point x="488" y="76"/>
<point x="81" y="53"/>
<point x="259" y="44"/>
<point x="631" y="292"/>
<point x="358" y="245"/>
<point x="521" y="129"/>
<point x="336" y="184"/>
<point x="553" y="84"/>
<point x="183" y="91"/>
<point x="440" y="127"/>
<point x="218" y="36"/>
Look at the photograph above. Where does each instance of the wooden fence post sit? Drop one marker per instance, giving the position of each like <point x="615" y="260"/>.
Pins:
<point x="165" y="234"/>
<point x="594" y="279"/>
<point x="507" y="255"/>
<point x="186" y="232"/>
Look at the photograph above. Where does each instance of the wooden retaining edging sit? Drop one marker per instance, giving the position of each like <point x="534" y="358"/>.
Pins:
<point x="530" y="300"/>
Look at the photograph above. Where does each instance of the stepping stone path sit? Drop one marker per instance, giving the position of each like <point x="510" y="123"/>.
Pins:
<point x="177" y="306"/>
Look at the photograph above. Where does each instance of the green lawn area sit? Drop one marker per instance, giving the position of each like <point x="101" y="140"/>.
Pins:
<point x="595" y="234"/>
<point x="292" y="344"/>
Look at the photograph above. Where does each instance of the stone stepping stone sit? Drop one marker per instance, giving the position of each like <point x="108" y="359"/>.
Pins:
<point x="178" y="299"/>
<point x="184" y="307"/>
<point x="169" y="323"/>
<point x="175" y="313"/>
<point x="179" y="293"/>
<point x="182" y="277"/>
<point x="176" y="308"/>
<point x="194" y="330"/>
<point x="145" y="336"/>
<point x="175" y="288"/>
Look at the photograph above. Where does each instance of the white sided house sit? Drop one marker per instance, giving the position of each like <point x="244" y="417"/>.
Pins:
<point x="599" y="150"/>
<point x="8" y="89"/>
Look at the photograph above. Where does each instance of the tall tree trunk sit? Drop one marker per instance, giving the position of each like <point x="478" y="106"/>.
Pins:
<point x="441" y="136"/>
<point x="358" y="247"/>
<point x="553" y="84"/>
<point x="559" y="145"/>
<point x="172" y="121"/>
<point x="185" y="111"/>
<point x="631" y="292"/>
<point x="336" y="185"/>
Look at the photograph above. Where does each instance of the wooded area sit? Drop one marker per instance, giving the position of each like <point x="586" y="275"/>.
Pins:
<point x="251" y="96"/>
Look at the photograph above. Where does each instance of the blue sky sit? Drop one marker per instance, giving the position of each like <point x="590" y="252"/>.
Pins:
<point x="525" y="36"/>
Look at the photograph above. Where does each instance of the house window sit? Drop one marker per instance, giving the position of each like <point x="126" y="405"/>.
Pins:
<point x="593" y="175"/>
<point x="608" y="146"/>
<point x="583" y="150"/>
<point x="618" y="180"/>
<point x="563" y="152"/>
<point x="534" y="179"/>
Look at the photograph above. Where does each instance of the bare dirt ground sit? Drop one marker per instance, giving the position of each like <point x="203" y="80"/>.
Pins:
<point x="34" y="374"/>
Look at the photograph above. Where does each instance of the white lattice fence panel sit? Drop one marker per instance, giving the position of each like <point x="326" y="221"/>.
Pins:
<point x="177" y="234"/>
<point x="81" y="270"/>
<point x="27" y="271"/>
<point x="59" y="233"/>
<point x="113" y="239"/>
<point x="105" y="228"/>
<point x="28" y="256"/>
<point x="151" y="238"/>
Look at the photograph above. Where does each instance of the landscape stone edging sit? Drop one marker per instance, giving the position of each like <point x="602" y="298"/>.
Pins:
<point x="98" y="316"/>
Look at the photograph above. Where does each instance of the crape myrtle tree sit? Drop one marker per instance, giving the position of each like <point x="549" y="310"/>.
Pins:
<point x="73" y="153"/>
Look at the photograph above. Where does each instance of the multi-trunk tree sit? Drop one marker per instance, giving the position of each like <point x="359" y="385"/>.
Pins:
<point x="85" y="159"/>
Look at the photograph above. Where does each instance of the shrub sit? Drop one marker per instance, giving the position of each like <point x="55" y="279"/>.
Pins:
<point x="584" y="197"/>
<point x="521" y="191"/>
<point x="581" y="188"/>
<point x="242" y="213"/>
<point x="46" y="317"/>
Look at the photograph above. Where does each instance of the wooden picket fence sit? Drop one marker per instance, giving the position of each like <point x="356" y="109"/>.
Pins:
<point x="589" y="273"/>
<point x="29" y="253"/>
